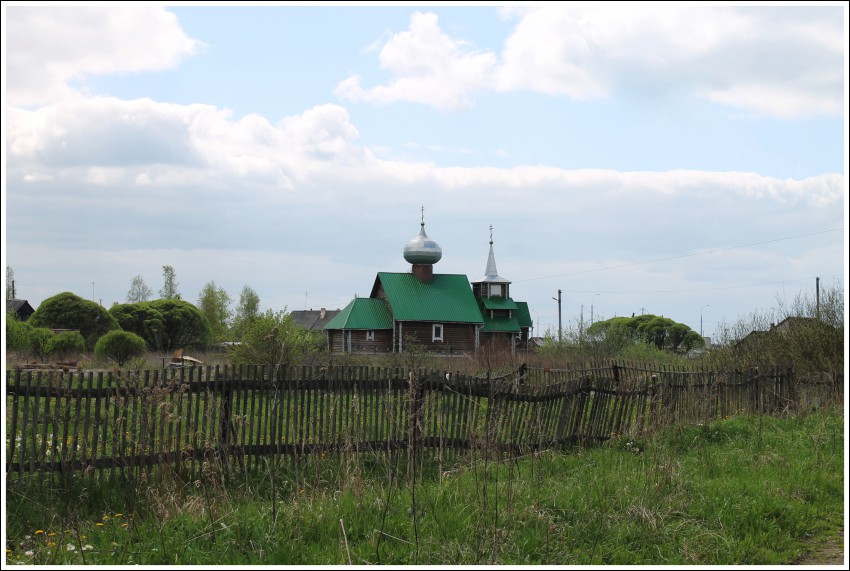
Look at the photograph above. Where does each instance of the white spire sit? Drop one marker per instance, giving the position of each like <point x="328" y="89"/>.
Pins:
<point x="490" y="273"/>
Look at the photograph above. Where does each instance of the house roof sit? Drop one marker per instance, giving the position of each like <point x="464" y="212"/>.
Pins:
<point x="500" y="324"/>
<point x="446" y="298"/>
<point x="498" y="303"/>
<point x="362" y="313"/>
<point x="19" y="307"/>
<point x="314" y="320"/>
<point x="523" y="315"/>
<point x="520" y="316"/>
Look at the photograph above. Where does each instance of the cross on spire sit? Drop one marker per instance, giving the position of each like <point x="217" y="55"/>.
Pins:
<point x="491" y="233"/>
<point x="423" y="216"/>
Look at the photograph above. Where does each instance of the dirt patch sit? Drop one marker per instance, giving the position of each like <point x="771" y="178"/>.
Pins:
<point x="826" y="552"/>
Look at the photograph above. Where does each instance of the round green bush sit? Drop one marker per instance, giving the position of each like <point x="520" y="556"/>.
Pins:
<point x="119" y="346"/>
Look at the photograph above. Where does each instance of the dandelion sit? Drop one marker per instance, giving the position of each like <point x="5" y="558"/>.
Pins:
<point x="28" y="553"/>
<point x="51" y="544"/>
<point x="70" y="547"/>
<point x="123" y="525"/>
<point x="51" y="533"/>
<point x="118" y="515"/>
<point x="106" y="517"/>
<point x="39" y="531"/>
<point x="99" y="524"/>
<point x="87" y="547"/>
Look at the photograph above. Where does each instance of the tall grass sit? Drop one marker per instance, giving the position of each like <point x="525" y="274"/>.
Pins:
<point x="749" y="490"/>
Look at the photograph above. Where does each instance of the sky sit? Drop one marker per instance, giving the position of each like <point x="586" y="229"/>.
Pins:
<point x="682" y="159"/>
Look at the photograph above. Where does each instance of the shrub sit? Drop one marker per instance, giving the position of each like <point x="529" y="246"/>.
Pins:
<point x="184" y="324"/>
<point x="120" y="346"/>
<point x="17" y="333"/>
<point x="273" y="339"/>
<point x="67" y="343"/>
<point x="69" y="311"/>
<point x="40" y="339"/>
<point x="143" y="320"/>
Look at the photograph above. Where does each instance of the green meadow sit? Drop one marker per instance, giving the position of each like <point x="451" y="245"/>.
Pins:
<point x="750" y="490"/>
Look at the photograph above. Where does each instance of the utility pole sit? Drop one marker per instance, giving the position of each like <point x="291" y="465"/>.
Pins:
<point x="591" y="307"/>
<point x="817" y="296"/>
<point x="558" y="299"/>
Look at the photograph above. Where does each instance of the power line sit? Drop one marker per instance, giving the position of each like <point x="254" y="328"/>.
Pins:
<point x="687" y="290"/>
<point x="682" y="256"/>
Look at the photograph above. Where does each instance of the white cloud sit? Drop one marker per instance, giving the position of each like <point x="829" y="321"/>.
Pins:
<point x="106" y="141"/>
<point x="163" y="143"/>
<point x="428" y="66"/>
<point x="775" y="61"/>
<point x="783" y="101"/>
<point x="57" y="45"/>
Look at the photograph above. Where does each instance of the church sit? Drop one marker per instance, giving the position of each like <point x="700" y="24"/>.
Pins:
<point x="444" y="313"/>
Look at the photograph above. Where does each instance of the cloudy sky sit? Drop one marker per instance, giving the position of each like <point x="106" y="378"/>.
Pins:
<point x="687" y="161"/>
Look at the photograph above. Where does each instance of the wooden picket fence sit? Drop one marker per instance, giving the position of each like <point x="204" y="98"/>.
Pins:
<point x="97" y="425"/>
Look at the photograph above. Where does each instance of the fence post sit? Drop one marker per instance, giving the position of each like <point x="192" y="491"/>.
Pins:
<point x="226" y="409"/>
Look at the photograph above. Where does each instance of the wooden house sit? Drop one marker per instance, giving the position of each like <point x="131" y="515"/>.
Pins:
<point x="312" y="319"/>
<point x="21" y="308"/>
<point x="444" y="313"/>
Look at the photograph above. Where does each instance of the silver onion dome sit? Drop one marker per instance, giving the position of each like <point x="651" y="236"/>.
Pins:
<point x="422" y="249"/>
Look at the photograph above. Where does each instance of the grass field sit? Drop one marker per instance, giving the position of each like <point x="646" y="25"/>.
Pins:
<point x="752" y="490"/>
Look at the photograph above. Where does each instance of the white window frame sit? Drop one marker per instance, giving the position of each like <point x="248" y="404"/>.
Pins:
<point x="370" y="335"/>
<point x="434" y="336"/>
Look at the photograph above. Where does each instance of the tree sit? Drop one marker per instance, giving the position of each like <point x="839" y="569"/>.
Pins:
<point x="119" y="346"/>
<point x="139" y="290"/>
<point x="273" y="339"/>
<point x="661" y="332"/>
<point x="69" y="311"/>
<point x="169" y="284"/>
<point x="214" y="303"/>
<point x="184" y="324"/>
<point x="143" y="320"/>
<point x="10" y="283"/>
<point x="246" y="311"/>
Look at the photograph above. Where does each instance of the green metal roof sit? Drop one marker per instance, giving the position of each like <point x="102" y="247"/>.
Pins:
<point x="446" y="298"/>
<point x="505" y="303"/>
<point x="523" y="315"/>
<point x="362" y="313"/>
<point x="507" y="324"/>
